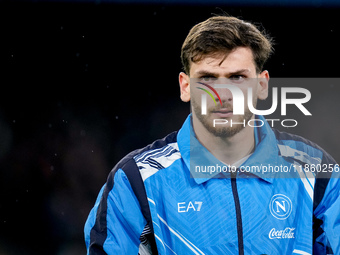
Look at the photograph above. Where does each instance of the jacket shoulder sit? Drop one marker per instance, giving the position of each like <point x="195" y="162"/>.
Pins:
<point x="128" y="162"/>
<point x="313" y="150"/>
<point x="129" y="166"/>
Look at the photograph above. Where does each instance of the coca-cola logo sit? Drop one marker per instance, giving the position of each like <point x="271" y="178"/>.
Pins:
<point x="282" y="234"/>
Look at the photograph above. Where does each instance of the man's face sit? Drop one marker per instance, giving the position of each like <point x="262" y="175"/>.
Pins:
<point x="238" y="69"/>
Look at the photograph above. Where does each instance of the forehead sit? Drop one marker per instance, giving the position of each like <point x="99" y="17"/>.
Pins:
<point x="239" y="58"/>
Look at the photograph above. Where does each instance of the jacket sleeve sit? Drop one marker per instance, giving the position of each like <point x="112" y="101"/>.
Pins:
<point x="327" y="211"/>
<point x="115" y="223"/>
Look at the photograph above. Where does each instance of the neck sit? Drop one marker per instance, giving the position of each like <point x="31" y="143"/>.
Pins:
<point x="226" y="149"/>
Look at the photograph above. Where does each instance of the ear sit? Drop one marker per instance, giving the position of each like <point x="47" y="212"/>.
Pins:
<point x="263" y="85"/>
<point x="184" y="84"/>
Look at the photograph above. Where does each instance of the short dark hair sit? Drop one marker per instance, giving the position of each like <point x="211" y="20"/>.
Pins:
<point x="222" y="34"/>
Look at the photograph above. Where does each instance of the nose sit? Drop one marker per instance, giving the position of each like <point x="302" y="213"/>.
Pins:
<point x="225" y="95"/>
<point x="231" y="94"/>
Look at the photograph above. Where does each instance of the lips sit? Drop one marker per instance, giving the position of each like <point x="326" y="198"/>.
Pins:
<point x="223" y="112"/>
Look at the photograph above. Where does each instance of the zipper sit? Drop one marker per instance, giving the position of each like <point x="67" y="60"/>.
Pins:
<point x="238" y="214"/>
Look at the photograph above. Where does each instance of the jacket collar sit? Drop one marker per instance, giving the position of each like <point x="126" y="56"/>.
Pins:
<point x="195" y="155"/>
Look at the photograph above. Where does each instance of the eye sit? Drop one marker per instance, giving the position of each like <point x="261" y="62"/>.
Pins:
<point x="237" y="78"/>
<point x="208" y="78"/>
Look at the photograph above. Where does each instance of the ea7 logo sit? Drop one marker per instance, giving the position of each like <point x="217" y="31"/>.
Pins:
<point x="280" y="206"/>
<point x="185" y="207"/>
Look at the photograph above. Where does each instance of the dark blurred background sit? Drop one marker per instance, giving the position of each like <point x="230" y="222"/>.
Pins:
<point x="85" y="82"/>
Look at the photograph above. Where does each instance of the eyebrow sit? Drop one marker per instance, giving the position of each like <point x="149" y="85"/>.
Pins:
<point x="209" y="73"/>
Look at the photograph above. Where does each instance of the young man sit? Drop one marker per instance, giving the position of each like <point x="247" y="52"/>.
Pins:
<point x="152" y="202"/>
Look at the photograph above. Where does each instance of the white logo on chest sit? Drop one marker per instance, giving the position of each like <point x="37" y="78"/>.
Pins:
<point x="280" y="206"/>
<point x="286" y="233"/>
<point x="190" y="206"/>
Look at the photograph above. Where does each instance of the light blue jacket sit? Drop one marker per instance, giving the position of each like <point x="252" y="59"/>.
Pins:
<point x="152" y="204"/>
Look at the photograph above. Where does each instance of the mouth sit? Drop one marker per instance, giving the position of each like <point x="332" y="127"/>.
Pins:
<point x="223" y="113"/>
